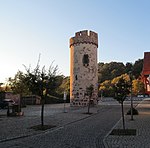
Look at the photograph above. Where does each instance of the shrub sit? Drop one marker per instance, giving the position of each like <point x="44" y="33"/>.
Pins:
<point x="134" y="111"/>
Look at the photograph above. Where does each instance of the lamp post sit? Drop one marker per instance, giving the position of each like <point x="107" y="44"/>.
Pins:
<point x="101" y="95"/>
<point x="130" y="75"/>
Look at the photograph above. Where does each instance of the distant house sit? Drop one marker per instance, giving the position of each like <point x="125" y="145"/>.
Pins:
<point x="10" y="96"/>
<point x="31" y="100"/>
<point x="14" y="97"/>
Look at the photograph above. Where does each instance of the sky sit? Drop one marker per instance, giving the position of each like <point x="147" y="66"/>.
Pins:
<point x="29" y="28"/>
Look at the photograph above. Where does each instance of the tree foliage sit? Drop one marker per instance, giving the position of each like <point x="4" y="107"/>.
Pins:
<point x="137" y="68"/>
<point x="109" y="71"/>
<point x="64" y="87"/>
<point x="107" y="86"/>
<point x="109" y="74"/>
<point x="18" y="84"/>
<point x="121" y="89"/>
<point x="138" y="87"/>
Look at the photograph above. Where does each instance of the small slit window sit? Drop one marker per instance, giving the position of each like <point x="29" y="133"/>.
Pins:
<point x="85" y="60"/>
<point x="76" y="77"/>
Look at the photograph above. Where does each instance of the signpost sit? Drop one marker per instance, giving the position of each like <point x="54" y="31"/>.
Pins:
<point x="131" y="76"/>
<point x="65" y="96"/>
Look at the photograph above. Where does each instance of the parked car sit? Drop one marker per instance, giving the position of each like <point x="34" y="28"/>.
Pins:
<point x="4" y="103"/>
<point x="140" y="96"/>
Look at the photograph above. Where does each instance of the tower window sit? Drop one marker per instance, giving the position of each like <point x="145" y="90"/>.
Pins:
<point x="85" y="60"/>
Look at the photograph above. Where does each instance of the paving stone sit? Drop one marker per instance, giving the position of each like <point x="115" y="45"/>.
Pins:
<point x="141" y="123"/>
<point x="75" y="129"/>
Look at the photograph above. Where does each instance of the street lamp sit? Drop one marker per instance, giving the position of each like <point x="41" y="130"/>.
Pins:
<point x="65" y="96"/>
<point x="130" y="75"/>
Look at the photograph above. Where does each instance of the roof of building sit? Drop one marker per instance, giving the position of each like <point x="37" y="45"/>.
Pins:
<point x="146" y="64"/>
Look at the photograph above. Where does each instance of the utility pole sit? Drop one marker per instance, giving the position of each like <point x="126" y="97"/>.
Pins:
<point x="130" y="75"/>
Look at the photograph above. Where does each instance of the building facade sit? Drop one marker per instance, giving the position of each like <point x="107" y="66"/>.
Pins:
<point x="83" y="67"/>
<point x="146" y="72"/>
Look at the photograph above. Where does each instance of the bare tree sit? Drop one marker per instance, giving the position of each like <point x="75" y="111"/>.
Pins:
<point x="41" y="82"/>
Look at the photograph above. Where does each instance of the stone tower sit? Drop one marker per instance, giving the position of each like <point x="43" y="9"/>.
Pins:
<point x="83" y="67"/>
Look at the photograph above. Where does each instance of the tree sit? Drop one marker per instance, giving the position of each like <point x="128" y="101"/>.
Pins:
<point x="106" y="88"/>
<point x="1" y="88"/>
<point x="137" y="68"/>
<point x="108" y="71"/>
<point x="42" y="82"/>
<point x="138" y="87"/>
<point x="121" y="90"/>
<point x="128" y="67"/>
<point x="89" y="92"/>
<point x="64" y="87"/>
<point x="18" y="86"/>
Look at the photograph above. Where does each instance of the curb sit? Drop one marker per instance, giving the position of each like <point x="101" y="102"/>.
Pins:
<point x="104" y="140"/>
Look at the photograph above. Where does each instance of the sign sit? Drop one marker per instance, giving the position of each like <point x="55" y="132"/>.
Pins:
<point x="65" y="95"/>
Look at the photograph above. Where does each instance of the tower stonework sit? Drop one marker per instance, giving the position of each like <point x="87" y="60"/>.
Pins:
<point x="83" y="67"/>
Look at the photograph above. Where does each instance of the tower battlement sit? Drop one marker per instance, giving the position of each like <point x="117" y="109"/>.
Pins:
<point x="85" y="36"/>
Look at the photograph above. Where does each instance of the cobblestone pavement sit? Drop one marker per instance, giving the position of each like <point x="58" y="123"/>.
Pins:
<point x="74" y="129"/>
<point x="15" y="127"/>
<point x="141" y="123"/>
